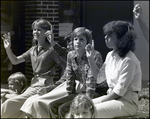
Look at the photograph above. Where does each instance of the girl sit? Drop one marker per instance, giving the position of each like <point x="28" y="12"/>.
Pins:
<point x="17" y="84"/>
<point x="122" y="70"/>
<point x="82" y="107"/>
<point x="43" y="58"/>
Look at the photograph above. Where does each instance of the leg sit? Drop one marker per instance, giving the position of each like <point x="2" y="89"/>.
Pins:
<point x="115" y="108"/>
<point x="54" y="106"/>
<point x="64" y="109"/>
<point x="11" y="107"/>
<point x="39" y="107"/>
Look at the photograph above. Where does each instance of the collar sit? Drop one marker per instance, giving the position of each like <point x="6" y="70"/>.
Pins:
<point x="76" y="55"/>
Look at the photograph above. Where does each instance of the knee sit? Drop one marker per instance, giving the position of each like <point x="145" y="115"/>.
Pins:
<point x="52" y="106"/>
<point x="63" y="110"/>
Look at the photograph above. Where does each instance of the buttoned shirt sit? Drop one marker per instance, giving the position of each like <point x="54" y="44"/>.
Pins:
<point x="42" y="62"/>
<point x="123" y="75"/>
<point x="79" y="69"/>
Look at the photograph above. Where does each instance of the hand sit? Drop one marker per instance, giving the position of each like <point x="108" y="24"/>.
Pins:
<point x="42" y="91"/>
<point x="50" y="36"/>
<point x="89" y="49"/>
<point x="7" y="40"/>
<point x="137" y="11"/>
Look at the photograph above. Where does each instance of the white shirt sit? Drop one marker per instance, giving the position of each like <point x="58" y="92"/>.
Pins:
<point x="122" y="74"/>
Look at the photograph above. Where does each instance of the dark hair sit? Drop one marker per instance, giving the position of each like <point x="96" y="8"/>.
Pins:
<point x="68" y="39"/>
<point x="125" y="34"/>
<point x="82" y="30"/>
<point x="44" y="24"/>
<point x="19" y="78"/>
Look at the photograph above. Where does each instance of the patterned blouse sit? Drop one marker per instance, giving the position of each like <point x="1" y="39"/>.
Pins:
<point x="79" y="69"/>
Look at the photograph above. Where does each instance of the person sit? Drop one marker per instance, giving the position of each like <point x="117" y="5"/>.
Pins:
<point x="43" y="57"/>
<point x="122" y="72"/>
<point x="138" y="15"/>
<point x="38" y="106"/>
<point x="82" y="106"/>
<point x="80" y="77"/>
<point x="30" y="108"/>
<point x="17" y="83"/>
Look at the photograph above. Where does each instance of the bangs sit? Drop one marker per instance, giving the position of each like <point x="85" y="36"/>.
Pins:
<point x="41" y="23"/>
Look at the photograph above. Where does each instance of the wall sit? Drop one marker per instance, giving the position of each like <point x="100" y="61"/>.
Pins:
<point x="142" y="46"/>
<point x="35" y="9"/>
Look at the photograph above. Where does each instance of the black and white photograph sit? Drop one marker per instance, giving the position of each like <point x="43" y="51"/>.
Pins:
<point x="74" y="59"/>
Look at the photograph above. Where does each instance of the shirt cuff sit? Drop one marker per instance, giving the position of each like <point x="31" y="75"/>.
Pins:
<point x="119" y="90"/>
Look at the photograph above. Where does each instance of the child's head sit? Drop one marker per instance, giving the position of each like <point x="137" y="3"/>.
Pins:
<point x="43" y="24"/>
<point x="81" y="37"/>
<point x="17" y="82"/>
<point x="82" y="107"/>
<point x="125" y="35"/>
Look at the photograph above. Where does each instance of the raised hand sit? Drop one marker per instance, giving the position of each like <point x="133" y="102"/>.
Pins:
<point x="89" y="49"/>
<point x="137" y="11"/>
<point x="7" y="40"/>
<point x="50" y="36"/>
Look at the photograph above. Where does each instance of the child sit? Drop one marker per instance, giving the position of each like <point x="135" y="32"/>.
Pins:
<point x="80" y="71"/>
<point x="44" y="58"/>
<point x="17" y="83"/>
<point x="82" y="107"/>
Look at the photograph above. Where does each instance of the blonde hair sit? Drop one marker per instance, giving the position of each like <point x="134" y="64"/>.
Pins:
<point x="19" y="78"/>
<point x="81" y="101"/>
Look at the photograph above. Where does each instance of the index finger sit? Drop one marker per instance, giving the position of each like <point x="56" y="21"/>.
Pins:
<point x="92" y="43"/>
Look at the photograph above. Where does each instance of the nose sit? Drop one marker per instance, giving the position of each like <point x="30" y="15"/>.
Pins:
<point x="9" y="86"/>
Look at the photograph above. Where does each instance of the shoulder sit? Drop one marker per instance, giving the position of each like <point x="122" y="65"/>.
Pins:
<point x="131" y="59"/>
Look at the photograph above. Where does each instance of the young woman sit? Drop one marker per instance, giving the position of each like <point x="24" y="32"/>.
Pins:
<point x="43" y="58"/>
<point x="81" y="107"/>
<point x="122" y="70"/>
<point x="17" y="83"/>
<point x="80" y="72"/>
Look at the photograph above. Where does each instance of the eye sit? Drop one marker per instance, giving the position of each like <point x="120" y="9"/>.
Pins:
<point x="75" y="39"/>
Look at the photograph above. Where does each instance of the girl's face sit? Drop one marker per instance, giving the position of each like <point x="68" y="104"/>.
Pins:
<point x="83" y="113"/>
<point x="79" y="42"/>
<point x="12" y="85"/>
<point x="111" y="41"/>
<point x="38" y="33"/>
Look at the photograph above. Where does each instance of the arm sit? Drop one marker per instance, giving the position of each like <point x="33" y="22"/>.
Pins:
<point x="138" y="14"/>
<point x="94" y="61"/>
<point x="7" y="44"/>
<point x="110" y="96"/>
<point x="70" y="76"/>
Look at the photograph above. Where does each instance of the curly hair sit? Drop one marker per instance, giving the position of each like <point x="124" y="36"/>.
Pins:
<point x="81" y="101"/>
<point x="125" y="33"/>
<point x="43" y="24"/>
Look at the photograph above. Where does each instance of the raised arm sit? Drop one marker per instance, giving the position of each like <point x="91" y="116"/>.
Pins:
<point x="7" y="45"/>
<point x="138" y="14"/>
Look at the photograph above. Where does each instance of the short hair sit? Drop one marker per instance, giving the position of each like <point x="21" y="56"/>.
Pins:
<point x="81" y="101"/>
<point x="86" y="32"/>
<point x="125" y="33"/>
<point x="19" y="78"/>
